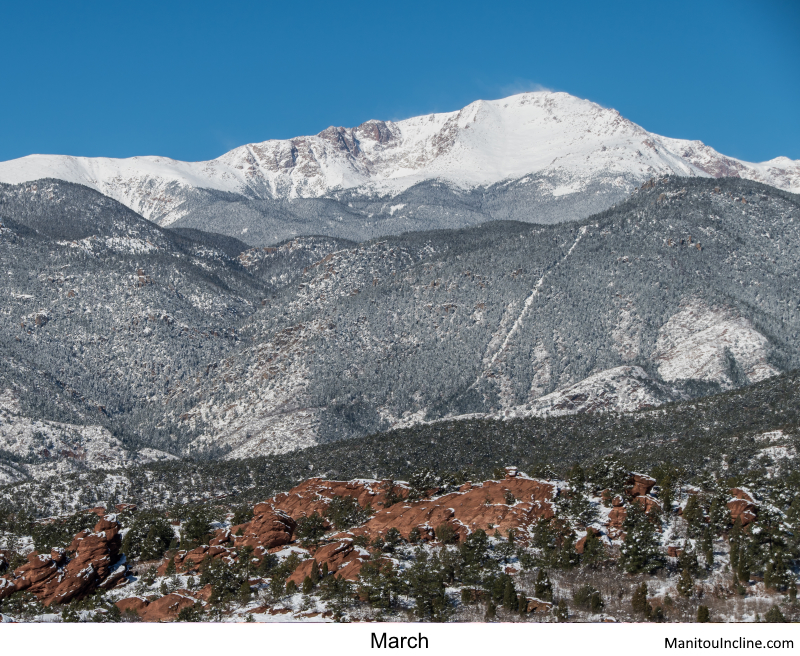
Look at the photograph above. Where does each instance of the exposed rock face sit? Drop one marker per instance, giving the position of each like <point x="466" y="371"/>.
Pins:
<point x="481" y="506"/>
<point x="269" y="528"/>
<point x="55" y="578"/>
<point x="315" y="494"/>
<point x="133" y="604"/>
<point x="539" y="606"/>
<point x="699" y="342"/>
<point x="742" y="506"/>
<point x="641" y="485"/>
<point x="167" y="607"/>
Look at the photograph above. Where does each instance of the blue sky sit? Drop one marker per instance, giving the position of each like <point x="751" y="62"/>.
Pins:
<point x="191" y="80"/>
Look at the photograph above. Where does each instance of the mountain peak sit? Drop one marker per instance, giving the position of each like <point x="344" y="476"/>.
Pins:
<point x="574" y="141"/>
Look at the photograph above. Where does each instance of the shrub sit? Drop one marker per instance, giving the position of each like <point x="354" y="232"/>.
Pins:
<point x="774" y="615"/>
<point x="587" y="598"/>
<point x="344" y="512"/>
<point x="446" y="534"/>
<point x="311" y="529"/>
<point x="148" y="537"/>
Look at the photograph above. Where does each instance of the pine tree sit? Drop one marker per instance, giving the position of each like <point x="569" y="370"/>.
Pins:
<point x="593" y="549"/>
<point x="707" y="547"/>
<point x="693" y="514"/>
<point x="244" y="592"/>
<point x="639" y="599"/>
<point x="543" y="589"/>
<point x="491" y="611"/>
<point x="509" y="595"/>
<point x="640" y="552"/>
<point x="745" y="563"/>
<point x="686" y="584"/>
<point x="688" y="559"/>
<point x="703" y="614"/>
<point x="774" y="615"/>
<point x="562" y="611"/>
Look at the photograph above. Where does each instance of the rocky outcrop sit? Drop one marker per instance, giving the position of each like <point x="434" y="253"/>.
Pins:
<point x="494" y="505"/>
<point x="640" y="485"/>
<point x="166" y="608"/>
<point x="269" y="528"/>
<point x="315" y="494"/>
<point x="57" y="578"/>
<point x="742" y="506"/>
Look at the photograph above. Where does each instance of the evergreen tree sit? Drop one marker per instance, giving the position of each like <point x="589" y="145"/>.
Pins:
<point x="639" y="599"/>
<point x="774" y="615"/>
<point x="688" y="559"/>
<point x="593" y="549"/>
<point x="543" y="589"/>
<point x="703" y="614"/>
<point x="707" y="547"/>
<point x="509" y="595"/>
<point x="640" y="551"/>
<point x="694" y="516"/>
<point x="686" y="584"/>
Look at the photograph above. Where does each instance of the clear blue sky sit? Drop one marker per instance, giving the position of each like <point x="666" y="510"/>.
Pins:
<point x="191" y="80"/>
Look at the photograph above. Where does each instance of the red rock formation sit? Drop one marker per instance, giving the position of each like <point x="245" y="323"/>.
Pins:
<point x="53" y="578"/>
<point x="617" y="517"/>
<point x="640" y="485"/>
<point x="315" y="494"/>
<point x="539" y="606"/>
<point x="269" y="528"/>
<point x="134" y="604"/>
<point x="482" y="506"/>
<point x="304" y="569"/>
<point x="648" y="503"/>
<point x="167" y="607"/>
<point x="742" y="507"/>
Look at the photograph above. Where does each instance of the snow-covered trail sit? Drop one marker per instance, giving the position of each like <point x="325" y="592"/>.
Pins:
<point x="490" y="359"/>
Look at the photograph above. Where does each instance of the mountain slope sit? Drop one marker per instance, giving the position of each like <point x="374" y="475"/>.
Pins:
<point x="168" y="342"/>
<point x="564" y="157"/>
<point x="687" y="288"/>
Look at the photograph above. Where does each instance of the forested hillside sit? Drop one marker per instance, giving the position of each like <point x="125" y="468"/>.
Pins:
<point x="170" y="342"/>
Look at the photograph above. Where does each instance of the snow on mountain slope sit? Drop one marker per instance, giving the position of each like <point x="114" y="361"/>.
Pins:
<point x="699" y="342"/>
<point x="485" y="143"/>
<point x="49" y="448"/>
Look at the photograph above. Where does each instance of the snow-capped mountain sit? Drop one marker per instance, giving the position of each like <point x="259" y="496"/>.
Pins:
<point x="567" y="144"/>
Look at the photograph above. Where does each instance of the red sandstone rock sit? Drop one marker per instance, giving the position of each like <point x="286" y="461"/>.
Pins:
<point x="742" y="506"/>
<point x="315" y="494"/>
<point x="648" y="503"/>
<point x="539" y="606"/>
<point x="135" y="604"/>
<point x="166" y="608"/>
<point x="481" y="507"/>
<point x="616" y="517"/>
<point x="641" y="484"/>
<point x="304" y="569"/>
<point x="269" y="528"/>
<point x="54" y="579"/>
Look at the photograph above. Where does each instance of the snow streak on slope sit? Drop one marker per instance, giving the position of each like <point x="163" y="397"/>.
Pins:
<point x="529" y="301"/>
<point x="485" y="143"/>
<point x="490" y="360"/>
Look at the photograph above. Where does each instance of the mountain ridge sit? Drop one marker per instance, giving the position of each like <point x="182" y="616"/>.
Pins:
<point x="559" y="146"/>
